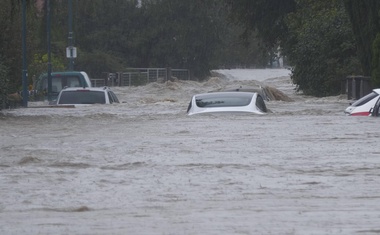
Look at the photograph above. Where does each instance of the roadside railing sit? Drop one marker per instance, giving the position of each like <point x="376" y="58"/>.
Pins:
<point x="141" y="76"/>
<point x="98" y="82"/>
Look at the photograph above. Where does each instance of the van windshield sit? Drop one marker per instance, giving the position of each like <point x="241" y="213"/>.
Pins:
<point x="59" y="82"/>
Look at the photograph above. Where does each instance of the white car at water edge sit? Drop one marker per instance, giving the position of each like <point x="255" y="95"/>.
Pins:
<point x="86" y="96"/>
<point x="227" y="102"/>
<point x="364" y="105"/>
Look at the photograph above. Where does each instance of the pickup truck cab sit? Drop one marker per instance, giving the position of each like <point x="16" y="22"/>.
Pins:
<point x="59" y="81"/>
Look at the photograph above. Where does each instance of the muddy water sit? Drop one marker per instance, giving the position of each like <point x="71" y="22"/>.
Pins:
<point x="144" y="167"/>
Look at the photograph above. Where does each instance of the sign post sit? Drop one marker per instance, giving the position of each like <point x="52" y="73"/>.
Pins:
<point x="71" y="52"/>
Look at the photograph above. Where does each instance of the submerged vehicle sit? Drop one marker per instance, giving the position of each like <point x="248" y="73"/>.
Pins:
<point x="235" y="102"/>
<point x="86" y="95"/>
<point x="364" y="105"/>
<point x="60" y="80"/>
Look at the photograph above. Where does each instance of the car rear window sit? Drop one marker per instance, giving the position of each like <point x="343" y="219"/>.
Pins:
<point x="82" y="97"/>
<point x="112" y="97"/>
<point x="365" y="99"/>
<point x="225" y="100"/>
<point x="261" y="104"/>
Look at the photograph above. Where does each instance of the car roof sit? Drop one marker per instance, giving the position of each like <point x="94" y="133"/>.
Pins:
<point x="377" y="90"/>
<point x="86" y="88"/>
<point x="225" y="93"/>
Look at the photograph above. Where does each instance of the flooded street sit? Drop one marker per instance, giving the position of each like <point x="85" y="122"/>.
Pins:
<point x="145" y="167"/>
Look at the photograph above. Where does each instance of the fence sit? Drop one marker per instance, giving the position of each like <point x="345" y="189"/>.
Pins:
<point x="98" y="82"/>
<point x="141" y="76"/>
<point x="357" y="86"/>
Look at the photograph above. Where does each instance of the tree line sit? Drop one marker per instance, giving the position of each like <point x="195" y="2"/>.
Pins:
<point x="323" y="41"/>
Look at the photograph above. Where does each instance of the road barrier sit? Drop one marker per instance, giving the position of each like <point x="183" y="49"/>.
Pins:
<point x="141" y="76"/>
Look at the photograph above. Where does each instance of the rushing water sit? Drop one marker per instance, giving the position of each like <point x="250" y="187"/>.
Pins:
<point x="145" y="167"/>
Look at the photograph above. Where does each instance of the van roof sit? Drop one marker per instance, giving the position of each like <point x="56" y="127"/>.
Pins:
<point x="63" y="73"/>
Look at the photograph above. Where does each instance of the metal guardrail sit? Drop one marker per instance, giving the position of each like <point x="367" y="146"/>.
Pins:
<point x="98" y="82"/>
<point x="141" y="76"/>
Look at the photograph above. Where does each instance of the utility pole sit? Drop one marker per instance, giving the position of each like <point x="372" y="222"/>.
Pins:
<point x="25" y="93"/>
<point x="71" y="52"/>
<point x="49" y="51"/>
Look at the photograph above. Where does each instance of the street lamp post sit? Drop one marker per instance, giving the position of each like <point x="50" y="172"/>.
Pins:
<point x="25" y="94"/>
<point x="49" y="51"/>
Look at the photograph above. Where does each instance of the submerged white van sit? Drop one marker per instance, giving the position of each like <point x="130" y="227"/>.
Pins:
<point x="60" y="80"/>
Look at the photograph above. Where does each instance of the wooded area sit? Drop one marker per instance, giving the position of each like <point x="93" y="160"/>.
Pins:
<point x="323" y="41"/>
